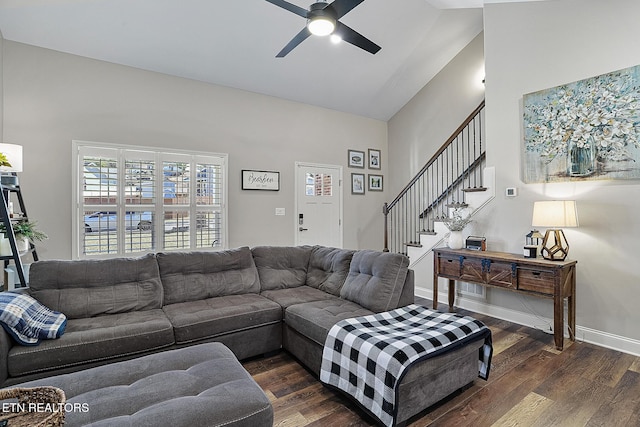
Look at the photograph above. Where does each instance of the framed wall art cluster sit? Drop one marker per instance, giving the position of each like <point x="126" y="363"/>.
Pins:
<point x="361" y="160"/>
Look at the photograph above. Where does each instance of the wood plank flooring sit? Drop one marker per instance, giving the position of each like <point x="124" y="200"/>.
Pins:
<point x="531" y="384"/>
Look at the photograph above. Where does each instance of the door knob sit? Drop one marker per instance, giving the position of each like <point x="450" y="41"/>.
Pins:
<point x="302" y="229"/>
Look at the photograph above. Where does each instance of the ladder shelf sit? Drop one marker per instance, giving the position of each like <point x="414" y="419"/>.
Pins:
<point x="8" y="221"/>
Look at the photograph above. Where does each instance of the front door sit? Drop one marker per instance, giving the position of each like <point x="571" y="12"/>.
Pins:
<point x="318" y="217"/>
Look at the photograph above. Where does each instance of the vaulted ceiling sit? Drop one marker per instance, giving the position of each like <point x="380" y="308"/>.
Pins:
<point x="234" y="43"/>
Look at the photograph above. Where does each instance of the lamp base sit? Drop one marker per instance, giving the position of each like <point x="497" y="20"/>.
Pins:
<point x="554" y="245"/>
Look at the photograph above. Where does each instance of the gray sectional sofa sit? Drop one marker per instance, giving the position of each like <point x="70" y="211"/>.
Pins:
<point x="123" y="308"/>
<point x="254" y="301"/>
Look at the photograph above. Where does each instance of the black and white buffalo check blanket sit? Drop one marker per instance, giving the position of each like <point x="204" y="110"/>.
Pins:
<point x="367" y="356"/>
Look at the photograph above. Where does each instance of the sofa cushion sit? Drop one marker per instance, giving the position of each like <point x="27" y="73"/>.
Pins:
<point x="212" y="317"/>
<point x="314" y="319"/>
<point x="299" y="295"/>
<point x="281" y="267"/>
<point x="202" y="385"/>
<point x="191" y="276"/>
<point x="328" y="268"/>
<point x="94" y="339"/>
<point x="376" y="279"/>
<point x="86" y="288"/>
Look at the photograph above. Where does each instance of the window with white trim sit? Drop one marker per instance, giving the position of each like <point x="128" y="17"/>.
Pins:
<point x="134" y="200"/>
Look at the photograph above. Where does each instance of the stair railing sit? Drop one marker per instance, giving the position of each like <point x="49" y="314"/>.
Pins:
<point x="454" y="169"/>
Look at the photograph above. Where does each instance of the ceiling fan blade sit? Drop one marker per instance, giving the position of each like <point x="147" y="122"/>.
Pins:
<point x="342" y="7"/>
<point x="290" y="7"/>
<point x="355" y="38"/>
<point x="299" y="38"/>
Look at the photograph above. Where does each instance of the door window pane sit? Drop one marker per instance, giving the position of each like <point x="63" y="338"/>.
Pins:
<point x="327" y="185"/>
<point x="318" y="184"/>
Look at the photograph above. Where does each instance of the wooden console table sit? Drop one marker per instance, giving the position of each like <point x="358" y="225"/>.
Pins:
<point x="531" y="276"/>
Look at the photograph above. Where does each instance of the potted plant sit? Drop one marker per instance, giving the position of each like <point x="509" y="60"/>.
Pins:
<point x="25" y="231"/>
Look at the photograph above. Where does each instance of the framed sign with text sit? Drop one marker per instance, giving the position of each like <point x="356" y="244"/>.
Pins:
<point x="260" y="180"/>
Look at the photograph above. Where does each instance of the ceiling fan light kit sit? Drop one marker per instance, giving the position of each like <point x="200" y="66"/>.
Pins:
<point x="323" y="19"/>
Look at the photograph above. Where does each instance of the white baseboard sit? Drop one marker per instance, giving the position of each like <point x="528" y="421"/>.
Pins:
<point x="592" y="336"/>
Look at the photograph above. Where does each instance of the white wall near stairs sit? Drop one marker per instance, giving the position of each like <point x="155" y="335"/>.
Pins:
<point x="421" y="258"/>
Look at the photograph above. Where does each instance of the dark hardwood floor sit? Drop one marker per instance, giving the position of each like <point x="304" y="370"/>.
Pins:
<point x="531" y="384"/>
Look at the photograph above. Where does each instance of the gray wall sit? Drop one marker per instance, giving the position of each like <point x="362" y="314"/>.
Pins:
<point x="52" y="98"/>
<point x="537" y="45"/>
<point x="425" y="122"/>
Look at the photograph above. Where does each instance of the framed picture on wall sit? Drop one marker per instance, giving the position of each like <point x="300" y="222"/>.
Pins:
<point x="581" y="131"/>
<point x="355" y="158"/>
<point x="357" y="183"/>
<point x="260" y="180"/>
<point x="374" y="159"/>
<point x="375" y="182"/>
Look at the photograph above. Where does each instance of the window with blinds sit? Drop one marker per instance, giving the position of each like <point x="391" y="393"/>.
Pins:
<point x="136" y="200"/>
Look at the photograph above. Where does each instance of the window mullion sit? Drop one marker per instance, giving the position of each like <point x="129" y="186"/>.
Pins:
<point x="193" y="205"/>
<point x="121" y="201"/>
<point x="159" y="202"/>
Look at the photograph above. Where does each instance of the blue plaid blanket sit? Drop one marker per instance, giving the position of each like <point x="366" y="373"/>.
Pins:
<point x="367" y="356"/>
<point x="28" y="321"/>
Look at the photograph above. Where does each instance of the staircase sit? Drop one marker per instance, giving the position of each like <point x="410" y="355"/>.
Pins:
<point x="455" y="177"/>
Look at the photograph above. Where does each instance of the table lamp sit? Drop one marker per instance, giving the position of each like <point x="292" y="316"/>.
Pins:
<point x="555" y="214"/>
<point x="11" y="162"/>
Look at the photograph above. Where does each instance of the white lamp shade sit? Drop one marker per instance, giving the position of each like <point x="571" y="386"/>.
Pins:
<point x="555" y="214"/>
<point x="13" y="153"/>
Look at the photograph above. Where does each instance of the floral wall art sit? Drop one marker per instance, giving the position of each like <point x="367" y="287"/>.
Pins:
<point x="586" y="130"/>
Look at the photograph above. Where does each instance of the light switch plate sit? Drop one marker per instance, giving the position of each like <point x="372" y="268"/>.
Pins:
<point x="280" y="211"/>
<point x="511" y="192"/>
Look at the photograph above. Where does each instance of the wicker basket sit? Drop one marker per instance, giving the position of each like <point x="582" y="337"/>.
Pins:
<point x="22" y="412"/>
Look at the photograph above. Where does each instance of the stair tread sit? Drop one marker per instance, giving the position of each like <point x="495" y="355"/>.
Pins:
<point x="474" y="189"/>
<point x="457" y="205"/>
<point x="413" y="245"/>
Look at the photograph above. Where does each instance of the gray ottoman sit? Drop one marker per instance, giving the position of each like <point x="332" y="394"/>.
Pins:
<point x="203" y="385"/>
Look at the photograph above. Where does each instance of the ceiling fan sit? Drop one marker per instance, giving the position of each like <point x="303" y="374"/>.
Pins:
<point x="322" y="20"/>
